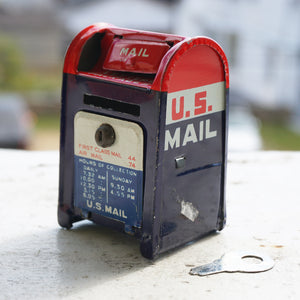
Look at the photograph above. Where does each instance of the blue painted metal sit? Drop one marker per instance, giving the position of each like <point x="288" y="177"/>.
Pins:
<point x="163" y="188"/>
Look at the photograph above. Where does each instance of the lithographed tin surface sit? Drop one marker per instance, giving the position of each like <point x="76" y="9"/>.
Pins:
<point x="144" y="135"/>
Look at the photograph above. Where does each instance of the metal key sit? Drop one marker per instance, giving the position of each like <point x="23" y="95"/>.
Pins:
<point x="236" y="262"/>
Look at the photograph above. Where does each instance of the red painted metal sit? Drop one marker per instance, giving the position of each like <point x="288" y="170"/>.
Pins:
<point x="192" y="63"/>
<point x="135" y="56"/>
<point x="178" y="63"/>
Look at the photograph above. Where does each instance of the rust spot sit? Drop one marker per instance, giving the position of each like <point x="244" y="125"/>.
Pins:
<point x="189" y="265"/>
<point x="273" y="246"/>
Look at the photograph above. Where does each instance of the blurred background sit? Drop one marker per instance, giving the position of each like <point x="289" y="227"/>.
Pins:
<point x="260" y="37"/>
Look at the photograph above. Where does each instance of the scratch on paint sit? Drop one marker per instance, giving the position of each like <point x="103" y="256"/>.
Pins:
<point x="189" y="211"/>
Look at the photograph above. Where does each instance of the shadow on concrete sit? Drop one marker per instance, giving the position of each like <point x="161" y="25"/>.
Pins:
<point x="58" y="262"/>
<point x="91" y="254"/>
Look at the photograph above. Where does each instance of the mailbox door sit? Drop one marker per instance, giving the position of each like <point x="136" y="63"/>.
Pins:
<point x="108" y="177"/>
<point x="135" y="153"/>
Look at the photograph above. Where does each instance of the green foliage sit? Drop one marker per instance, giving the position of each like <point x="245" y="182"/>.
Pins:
<point x="14" y="75"/>
<point x="48" y="121"/>
<point x="10" y="64"/>
<point x="277" y="136"/>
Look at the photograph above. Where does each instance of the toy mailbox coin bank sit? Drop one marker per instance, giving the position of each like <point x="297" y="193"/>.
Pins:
<point x="143" y="135"/>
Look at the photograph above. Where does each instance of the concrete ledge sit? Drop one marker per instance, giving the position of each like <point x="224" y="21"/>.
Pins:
<point x="41" y="260"/>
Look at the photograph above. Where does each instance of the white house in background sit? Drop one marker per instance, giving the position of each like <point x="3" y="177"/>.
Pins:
<point x="262" y="41"/>
<point x="260" y="37"/>
<point x="137" y="14"/>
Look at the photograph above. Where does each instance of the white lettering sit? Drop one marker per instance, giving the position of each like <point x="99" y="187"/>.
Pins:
<point x="121" y="179"/>
<point x="108" y="209"/>
<point x="144" y="53"/>
<point x="201" y="131"/>
<point x="190" y="135"/>
<point x="124" y="51"/>
<point x="98" y="206"/>
<point x="172" y="141"/>
<point x="132" y="52"/>
<point x="209" y="134"/>
<point x="115" y="211"/>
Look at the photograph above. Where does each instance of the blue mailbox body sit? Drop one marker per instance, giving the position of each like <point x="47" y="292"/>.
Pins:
<point x="144" y="135"/>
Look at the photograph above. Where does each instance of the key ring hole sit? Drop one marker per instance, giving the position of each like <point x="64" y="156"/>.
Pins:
<point x="252" y="259"/>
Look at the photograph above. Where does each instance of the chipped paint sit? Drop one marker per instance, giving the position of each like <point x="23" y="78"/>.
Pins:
<point x="189" y="211"/>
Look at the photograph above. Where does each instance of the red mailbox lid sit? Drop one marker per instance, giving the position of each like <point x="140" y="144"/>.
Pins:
<point x="135" y="56"/>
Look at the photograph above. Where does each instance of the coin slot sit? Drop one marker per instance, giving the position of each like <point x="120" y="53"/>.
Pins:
<point x="105" y="135"/>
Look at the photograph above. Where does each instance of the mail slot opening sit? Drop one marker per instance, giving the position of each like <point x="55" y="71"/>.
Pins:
<point x="110" y="104"/>
<point x="90" y="53"/>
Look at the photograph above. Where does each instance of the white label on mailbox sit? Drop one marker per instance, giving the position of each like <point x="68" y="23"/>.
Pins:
<point x="126" y="151"/>
<point x="195" y="102"/>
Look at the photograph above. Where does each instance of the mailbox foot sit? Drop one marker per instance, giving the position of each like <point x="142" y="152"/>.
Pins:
<point x="64" y="218"/>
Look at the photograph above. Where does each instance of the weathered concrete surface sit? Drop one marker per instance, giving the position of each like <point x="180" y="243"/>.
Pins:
<point x="40" y="260"/>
